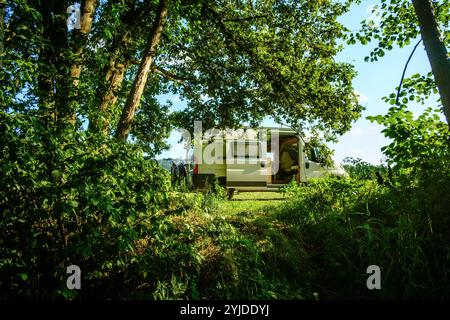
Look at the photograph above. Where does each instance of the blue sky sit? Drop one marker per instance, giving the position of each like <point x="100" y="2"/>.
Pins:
<point x="374" y="81"/>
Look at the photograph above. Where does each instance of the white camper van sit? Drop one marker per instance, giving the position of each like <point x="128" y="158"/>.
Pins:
<point x="265" y="159"/>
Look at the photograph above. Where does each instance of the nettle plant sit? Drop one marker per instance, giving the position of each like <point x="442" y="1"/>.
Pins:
<point x="419" y="144"/>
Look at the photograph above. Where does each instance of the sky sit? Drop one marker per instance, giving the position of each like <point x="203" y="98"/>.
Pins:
<point x="374" y="81"/>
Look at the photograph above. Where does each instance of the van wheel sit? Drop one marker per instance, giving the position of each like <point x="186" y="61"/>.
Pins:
<point x="230" y="194"/>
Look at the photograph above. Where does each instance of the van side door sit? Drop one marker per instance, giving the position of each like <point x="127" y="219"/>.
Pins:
<point x="246" y="162"/>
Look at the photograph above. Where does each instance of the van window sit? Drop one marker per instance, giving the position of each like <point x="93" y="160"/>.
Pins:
<point x="246" y="149"/>
<point x="311" y="153"/>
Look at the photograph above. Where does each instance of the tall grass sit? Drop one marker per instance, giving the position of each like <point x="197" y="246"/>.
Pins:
<point x="315" y="244"/>
<point x="351" y="224"/>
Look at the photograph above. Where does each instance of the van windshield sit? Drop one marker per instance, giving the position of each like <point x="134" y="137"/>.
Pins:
<point x="313" y="153"/>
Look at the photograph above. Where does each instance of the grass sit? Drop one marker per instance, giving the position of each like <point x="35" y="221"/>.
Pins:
<point x="283" y="261"/>
<point x="251" y="202"/>
<point x="244" y="251"/>
<point x="255" y="215"/>
<point x="317" y="242"/>
<point x="312" y="242"/>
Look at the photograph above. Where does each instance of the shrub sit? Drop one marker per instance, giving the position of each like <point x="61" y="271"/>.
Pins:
<point x="360" y="170"/>
<point x="72" y="199"/>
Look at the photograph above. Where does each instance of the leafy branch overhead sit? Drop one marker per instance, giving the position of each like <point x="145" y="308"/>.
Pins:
<point x="233" y="62"/>
<point x="403" y="21"/>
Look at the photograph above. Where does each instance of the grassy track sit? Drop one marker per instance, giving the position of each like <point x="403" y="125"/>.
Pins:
<point x="255" y="216"/>
<point x="252" y="202"/>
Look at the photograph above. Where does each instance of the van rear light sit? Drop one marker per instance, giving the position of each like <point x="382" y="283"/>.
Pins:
<point x="195" y="171"/>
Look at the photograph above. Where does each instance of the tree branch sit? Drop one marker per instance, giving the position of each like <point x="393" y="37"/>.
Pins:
<point x="245" y="18"/>
<point x="404" y="71"/>
<point x="173" y="77"/>
<point x="134" y="97"/>
<point x="167" y="74"/>
<point x="277" y="77"/>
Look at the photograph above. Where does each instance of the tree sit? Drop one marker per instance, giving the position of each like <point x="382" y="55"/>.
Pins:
<point x="436" y="51"/>
<point x="233" y="61"/>
<point x="80" y="36"/>
<point x="403" y="21"/>
<point x="133" y="99"/>
<point x="2" y="29"/>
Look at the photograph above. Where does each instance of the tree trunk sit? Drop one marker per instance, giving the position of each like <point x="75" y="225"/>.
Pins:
<point x="436" y="51"/>
<point x="134" y="97"/>
<point x="60" y="44"/>
<point x="114" y="79"/>
<point x="108" y="90"/>
<point x="80" y="35"/>
<point x="53" y="66"/>
<point x="79" y="41"/>
<point x="119" y="61"/>
<point x="46" y="79"/>
<point x="2" y="30"/>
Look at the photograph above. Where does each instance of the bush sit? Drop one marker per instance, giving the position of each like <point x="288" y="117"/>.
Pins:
<point x="72" y="199"/>
<point x="360" y="170"/>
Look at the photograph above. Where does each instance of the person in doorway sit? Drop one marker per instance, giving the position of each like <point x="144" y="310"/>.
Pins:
<point x="289" y="159"/>
<point x="182" y="174"/>
<point x="174" y="173"/>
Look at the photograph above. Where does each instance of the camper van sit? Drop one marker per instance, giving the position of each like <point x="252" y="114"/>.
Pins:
<point x="265" y="159"/>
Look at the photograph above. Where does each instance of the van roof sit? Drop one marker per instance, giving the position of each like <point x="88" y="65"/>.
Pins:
<point x="224" y="133"/>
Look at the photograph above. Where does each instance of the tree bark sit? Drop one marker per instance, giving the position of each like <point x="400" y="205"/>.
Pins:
<point x="436" y="51"/>
<point x="2" y="30"/>
<point x="112" y="83"/>
<point x="134" y="97"/>
<point x="79" y="41"/>
<point x="80" y="36"/>
<point x="119" y="61"/>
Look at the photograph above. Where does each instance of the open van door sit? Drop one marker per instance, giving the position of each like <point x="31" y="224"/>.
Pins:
<point x="246" y="163"/>
<point x="313" y="167"/>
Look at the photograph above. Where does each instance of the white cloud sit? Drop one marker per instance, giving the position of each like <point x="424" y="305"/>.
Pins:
<point x="355" y="132"/>
<point x="361" y="97"/>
